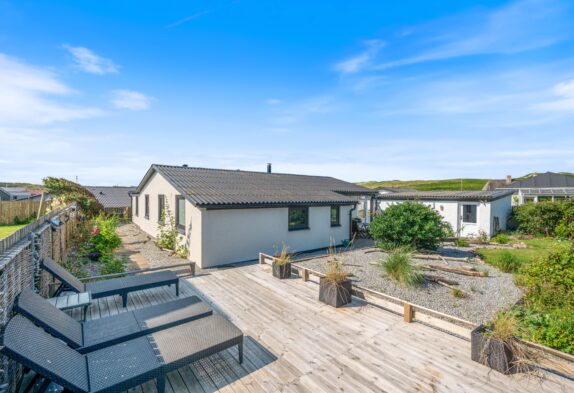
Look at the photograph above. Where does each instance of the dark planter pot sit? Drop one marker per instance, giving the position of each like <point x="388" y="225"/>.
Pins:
<point x="335" y="294"/>
<point x="282" y="271"/>
<point x="491" y="352"/>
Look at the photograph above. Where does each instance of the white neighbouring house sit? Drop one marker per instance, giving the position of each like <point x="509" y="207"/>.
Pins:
<point x="229" y="216"/>
<point x="468" y="212"/>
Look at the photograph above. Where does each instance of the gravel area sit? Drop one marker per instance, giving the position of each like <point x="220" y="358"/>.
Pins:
<point x="137" y="244"/>
<point x="487" y="295"/>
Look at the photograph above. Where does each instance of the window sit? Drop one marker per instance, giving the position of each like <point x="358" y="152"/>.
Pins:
<point x="180" y="213"/>
<point x="335" y="216"/>
<point x="469" y="214"/>
<point x="137" y="201"/>
<point x="146" y="207"/>
<point x="298" y="218"/>
<point x="161" y="209"/>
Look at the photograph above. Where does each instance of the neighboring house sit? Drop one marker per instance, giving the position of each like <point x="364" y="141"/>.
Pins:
<point x="115" y="200"/>
<point x="492" y="185"/>
<point x="547" y="186"/>
<point x="227" y="216"/>
<point x="14" y="194"/>
<point x="468" y="212"/>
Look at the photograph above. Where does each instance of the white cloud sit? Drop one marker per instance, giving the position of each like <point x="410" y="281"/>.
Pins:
<point x="89" y="62"/>
<point x="30" y="95"/>
<point x="273" y="101"/>
<point x="565" y="102"/>
<point x="516" y="27"/>
<point x="362" y="60"/>
<point x="129" y="99"/>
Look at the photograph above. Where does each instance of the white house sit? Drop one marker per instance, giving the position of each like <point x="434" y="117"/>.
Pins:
<point x="547" y="186"/>
<point x="468" y="212"/>
<point x="227" y="216"/>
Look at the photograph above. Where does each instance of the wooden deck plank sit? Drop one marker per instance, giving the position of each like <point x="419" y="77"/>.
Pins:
<point x="295" y="344"/>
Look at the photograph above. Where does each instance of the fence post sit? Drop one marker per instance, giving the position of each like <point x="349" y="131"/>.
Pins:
<point x="261" y="258"/>
<point x="305" y="274"/>
<point x="408" y="313"/>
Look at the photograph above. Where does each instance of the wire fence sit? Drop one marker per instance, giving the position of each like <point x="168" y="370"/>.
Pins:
<point x="20" y="257"/>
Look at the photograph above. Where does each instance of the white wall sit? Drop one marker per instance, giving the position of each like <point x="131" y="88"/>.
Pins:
<point x="451" y="211"/>
<point x="156" y="186"/>
<point x="234" y="235"/>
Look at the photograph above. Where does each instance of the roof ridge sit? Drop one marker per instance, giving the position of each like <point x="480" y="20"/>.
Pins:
<point x="245" y="171"/>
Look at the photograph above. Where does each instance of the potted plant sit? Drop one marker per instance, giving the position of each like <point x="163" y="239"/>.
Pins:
<point x="335" y="288"/>
<point x="282" y="264"/>
<point x="496" y="346"/>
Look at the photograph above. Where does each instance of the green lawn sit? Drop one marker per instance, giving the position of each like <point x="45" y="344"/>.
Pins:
<point x="536" y="248"/>
<point x="6" y="230"/>
<point x="430" y="185"/>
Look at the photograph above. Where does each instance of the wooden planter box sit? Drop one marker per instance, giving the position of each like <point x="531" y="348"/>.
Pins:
<point x="491" y="352"/>
<point x="282" y="271"/>
<point x="335" y="294"/>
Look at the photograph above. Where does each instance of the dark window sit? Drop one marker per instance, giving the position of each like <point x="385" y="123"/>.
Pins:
<point x="161" y="209"/>
<point x="335" y="216"/>
<point x="469" y="214"/>
<point x="298" y="218"/>
<point x="180" y="213"/>
<point x="137" y="199"/>
<point x="146" y="207"/>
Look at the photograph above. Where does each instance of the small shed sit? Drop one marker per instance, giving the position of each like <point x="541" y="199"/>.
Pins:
<point x="469" y="213"/>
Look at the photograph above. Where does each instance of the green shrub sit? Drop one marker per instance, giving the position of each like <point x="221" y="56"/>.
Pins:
<point x="104" y="238"/>
<point x="398" y="266"/>
<point x="501" y="238"/>
<point x="167" y="230"/>
<point x="112" y="264"/>
<point x="461" y="242"/>
<point x="507" y="262"/>
<point x="545" y="218"/>
<point x="554" y="328"/>
<point x="409" y="224"/>
<point x="549" y="281"/>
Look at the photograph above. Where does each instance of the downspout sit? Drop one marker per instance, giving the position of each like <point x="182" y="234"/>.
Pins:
<point x="351" y="221"/>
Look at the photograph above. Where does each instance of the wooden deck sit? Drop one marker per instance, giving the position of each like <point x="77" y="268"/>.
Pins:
<point x="296" y="344"/>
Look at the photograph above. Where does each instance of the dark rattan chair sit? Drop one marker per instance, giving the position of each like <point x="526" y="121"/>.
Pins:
<point x="121" y="366"/>
<point x="103" y="332"/>
<point x="115" y="286"/>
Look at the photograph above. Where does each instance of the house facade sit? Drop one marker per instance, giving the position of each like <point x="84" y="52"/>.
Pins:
<point x="468" y="212"/>
<point x="547" y="186"/>
<point x="226" y="216"/>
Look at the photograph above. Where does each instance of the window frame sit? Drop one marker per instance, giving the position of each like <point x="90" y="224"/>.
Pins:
<point x="298" y="227"/>
<point x="464" y="214"/>
<point x="160" y="209"/>
<point x="336" y="223"/>
<point x="146" y="206"/>
<point x="180" y="226"/>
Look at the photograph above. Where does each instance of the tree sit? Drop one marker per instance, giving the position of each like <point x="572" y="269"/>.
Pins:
<point x="66" y="191"/>
<point x="410" y="224"/>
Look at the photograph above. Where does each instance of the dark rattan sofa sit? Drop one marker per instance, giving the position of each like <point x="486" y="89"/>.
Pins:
<point x="103" y="332"/>
<point x="115" y="286"/>
<point x="121" y="366"/>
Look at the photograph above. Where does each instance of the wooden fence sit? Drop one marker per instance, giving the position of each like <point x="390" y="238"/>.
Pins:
<point x="11" y="210"/>
<point x="20" y="256"/>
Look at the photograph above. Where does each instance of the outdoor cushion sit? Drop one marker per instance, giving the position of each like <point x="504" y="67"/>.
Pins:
<point x="115" y="286"/>
<point x="121" y="366"/>
<point x="103" y="332"/>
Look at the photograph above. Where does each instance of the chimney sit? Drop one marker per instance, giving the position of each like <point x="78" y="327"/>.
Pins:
<point x="268" y="167"/>
<point x="508" y="179"/>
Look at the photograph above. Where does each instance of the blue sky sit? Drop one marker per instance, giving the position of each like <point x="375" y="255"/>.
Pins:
<point x="366" y="90"/>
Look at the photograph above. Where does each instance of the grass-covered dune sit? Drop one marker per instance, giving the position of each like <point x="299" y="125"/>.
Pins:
<point x="430" y="185"/>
